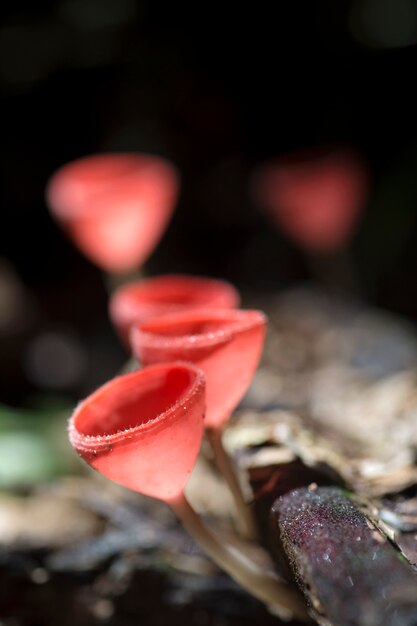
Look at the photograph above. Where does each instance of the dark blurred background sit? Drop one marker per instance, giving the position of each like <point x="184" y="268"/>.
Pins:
<point x="218" y="90"/>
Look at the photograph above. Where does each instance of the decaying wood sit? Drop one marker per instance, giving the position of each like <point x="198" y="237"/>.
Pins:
<point x="347" y="569"/>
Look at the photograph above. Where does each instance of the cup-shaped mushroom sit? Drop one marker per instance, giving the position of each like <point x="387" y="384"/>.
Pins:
<point x="140" y="301"/>
<point x="143" y="430"/>
<point x="225" y="344"/>
<point x="115" y="207"/>
<point x="315" y="196"/>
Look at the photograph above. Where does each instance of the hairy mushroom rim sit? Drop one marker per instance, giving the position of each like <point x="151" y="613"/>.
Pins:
<point x="140" y="301"/>
<point x="111" y="413"/>
<point x="202" y="327"/>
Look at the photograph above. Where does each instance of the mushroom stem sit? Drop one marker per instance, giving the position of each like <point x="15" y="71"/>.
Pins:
<point x="225" y="465"/>
<point x="266" y="587"/>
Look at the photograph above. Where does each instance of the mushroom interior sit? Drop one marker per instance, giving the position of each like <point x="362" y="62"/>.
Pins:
<point x="133" y="402"/>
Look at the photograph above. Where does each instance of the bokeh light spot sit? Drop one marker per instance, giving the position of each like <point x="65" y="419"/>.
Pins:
<point x="55" y="360"/>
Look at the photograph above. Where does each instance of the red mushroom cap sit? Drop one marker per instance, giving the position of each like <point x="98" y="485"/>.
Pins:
<point x="140" y="301"/>
<point x="144" y="429"/>
<point x="114" y="206"/>
<point x="316" y="197"/>
<point x="226" y="344"/>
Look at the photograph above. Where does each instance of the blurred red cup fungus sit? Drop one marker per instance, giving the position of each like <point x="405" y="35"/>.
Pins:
<point x="143" y="430"/>
<point x="226" y="345"/>
<point x="140" y="301"/>
<point x="115" y="207"/>
<point x="315" y="196"/>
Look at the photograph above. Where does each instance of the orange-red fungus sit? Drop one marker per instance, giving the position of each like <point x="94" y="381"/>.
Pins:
<point x="316" y="197"/>
<point x="144" y="429"/>
<point x="115" y="206"/>
<point x="143" y="300"/>
<point x="226" y="344"/>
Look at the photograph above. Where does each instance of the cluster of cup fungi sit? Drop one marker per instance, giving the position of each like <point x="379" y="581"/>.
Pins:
<point x="197" y="350"/>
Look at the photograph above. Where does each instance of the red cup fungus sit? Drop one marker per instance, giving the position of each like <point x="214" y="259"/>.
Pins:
<point x="140" y="301"/>
<point x="315" y="196"/>
<point x="226" y="344"/>
<point x="115" y="207"/>
<point x="143" y="430"/>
